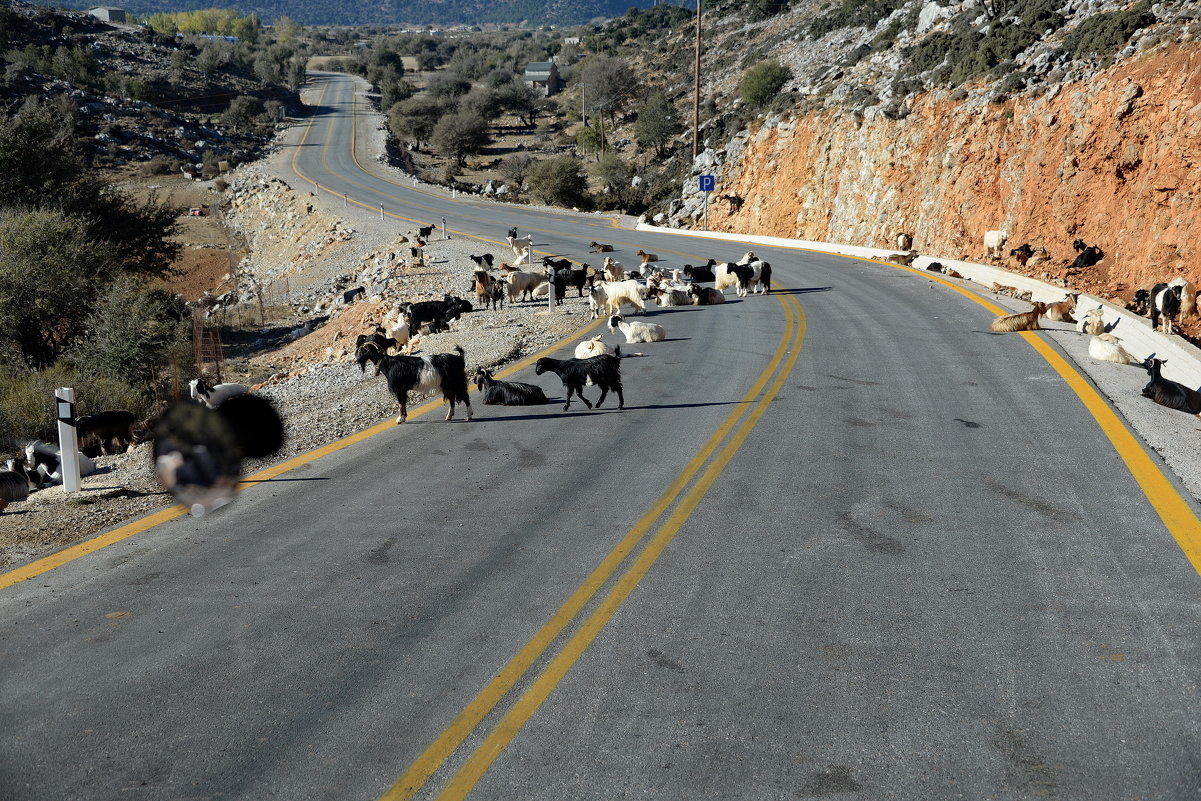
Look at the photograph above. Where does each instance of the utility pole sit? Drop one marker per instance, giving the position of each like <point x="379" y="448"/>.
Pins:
<point x="696" y="94"/>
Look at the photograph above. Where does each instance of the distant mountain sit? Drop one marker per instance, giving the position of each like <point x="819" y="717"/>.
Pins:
<point x="408" y="12"/>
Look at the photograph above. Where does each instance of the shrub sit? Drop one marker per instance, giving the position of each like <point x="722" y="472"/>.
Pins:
<point x="763" y="82"/>
<point x="853" y="14"/>
<point x="27" y="409"/>
<point x="457" y="135"/>
<point x="559" y="181"/>
<point x="1105" y="34"/>
<point x="160" y="165"/>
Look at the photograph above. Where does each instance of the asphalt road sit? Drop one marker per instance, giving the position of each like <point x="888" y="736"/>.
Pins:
<point x="842" y="542"/>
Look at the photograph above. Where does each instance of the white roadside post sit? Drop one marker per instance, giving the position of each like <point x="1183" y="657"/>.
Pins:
<point x="68" y="438"/>
<point x="550" y="291"/>
<point x="444" y="234"/>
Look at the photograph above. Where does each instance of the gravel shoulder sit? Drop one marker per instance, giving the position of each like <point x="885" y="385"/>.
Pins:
<point x="316" y="249"/>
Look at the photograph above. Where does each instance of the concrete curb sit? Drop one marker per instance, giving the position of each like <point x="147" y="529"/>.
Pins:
<point x="1183" y="359"/>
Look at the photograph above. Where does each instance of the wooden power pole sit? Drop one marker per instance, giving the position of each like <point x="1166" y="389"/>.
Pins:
<point x="696" y="94"/>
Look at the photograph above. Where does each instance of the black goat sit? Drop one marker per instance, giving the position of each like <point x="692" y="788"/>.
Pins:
<point x="445" y="372"/>
<point x="577" y="277"/>
<point x="379" y="338"/>
<point x="107" y="432"/>
<point x="456" y="307"/>
<point x="604" y="371"/>
<point x="1169" y="393"/>
<point x="433" y="313"/>
<point x="424" y="231"/>
<point x="1141" y="303"/>
<point x="15" y="483"/>
<point x="699" y="274"/>
<point x="1089" y="255"/>
<point x="484" y="261"/>
<point x="507" y="393"/>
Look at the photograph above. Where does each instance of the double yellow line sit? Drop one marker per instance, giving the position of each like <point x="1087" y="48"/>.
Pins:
<point x="684" y="495"/>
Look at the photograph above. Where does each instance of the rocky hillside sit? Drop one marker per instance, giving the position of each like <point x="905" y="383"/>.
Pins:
<point x="135" y="95"/>
<point x="946" y="119"/>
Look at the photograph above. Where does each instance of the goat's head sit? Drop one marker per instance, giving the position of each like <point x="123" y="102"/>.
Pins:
<point x="199" y="388"/>
<point x="482" y="377"/>
<point x="613" y="322"/>
<point x="1079" y="244"/>
<point x="367" y="351"/>
<point x="541" y="366"/>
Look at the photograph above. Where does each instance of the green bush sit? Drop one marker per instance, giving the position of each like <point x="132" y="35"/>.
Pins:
<point x="964" y="53"/>
<point x="1105" y="34"/>
<point x="853" y="14"/>
<point x="559" y="181"/>
<point x="763" y="82"/>
<point x="27" y="408"/>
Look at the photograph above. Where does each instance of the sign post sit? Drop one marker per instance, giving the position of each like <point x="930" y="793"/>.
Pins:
<point x="707" y="185"/>
<point x="68" y="438"/>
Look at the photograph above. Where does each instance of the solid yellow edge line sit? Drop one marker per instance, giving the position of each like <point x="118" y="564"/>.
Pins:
<point x="1177" y="516"/>
<point x="73" y="552"/>
<point x="420" y="771"/>
<point x="513" y="721"/>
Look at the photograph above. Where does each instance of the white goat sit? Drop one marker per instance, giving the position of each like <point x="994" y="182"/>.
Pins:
<point x="608" y="297"/>
<point x="994" y="241"/>
<point x="213" y="395"/>
<point x="1108" y="348"/>
<point x="638" y="332"/>
<point x="592" y="347"/>
<point x="522" y="283"/>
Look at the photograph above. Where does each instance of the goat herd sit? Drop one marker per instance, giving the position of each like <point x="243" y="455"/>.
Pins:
<point x="389" y="347"/>
<point x="1173" y="300"/>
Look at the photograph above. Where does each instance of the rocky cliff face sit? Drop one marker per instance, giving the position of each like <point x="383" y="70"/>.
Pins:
<point x="1115" y="161"/>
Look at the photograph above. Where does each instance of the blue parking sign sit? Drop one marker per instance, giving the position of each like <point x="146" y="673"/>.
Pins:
<point x="708" y="183"/>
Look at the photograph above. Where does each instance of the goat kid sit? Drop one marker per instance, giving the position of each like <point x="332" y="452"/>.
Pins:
<point x="1165" y="306"/>
<point x="1061" y="312"/>
<point x="507" y="393"/>
<point x="445" y="372"/>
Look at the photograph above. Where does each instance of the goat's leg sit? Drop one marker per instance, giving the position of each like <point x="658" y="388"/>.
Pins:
<point x="450" y="415"/>
<point x="621" y="401"/>
<point x="404" y="409"/>
<point x="604" y="392"/>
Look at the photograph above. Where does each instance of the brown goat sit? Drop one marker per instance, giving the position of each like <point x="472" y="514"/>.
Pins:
<point x="597" y="247"/>
<point x="904" y="259"/>
<point x="1062" y="311"/>
<point x="1026" y="321"/>
<point x="647" y="257"/>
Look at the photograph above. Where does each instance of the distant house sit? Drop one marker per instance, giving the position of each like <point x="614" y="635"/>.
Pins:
<point x="108" y="14"/>
<point x="571" y="40"/>
<point x="544" y="75"/>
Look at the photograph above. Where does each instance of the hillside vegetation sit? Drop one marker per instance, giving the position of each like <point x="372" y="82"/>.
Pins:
<point x="86" y="103"/>
<point x="415" y="13"/>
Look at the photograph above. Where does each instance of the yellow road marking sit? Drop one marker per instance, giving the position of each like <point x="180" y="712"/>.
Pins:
<point x="440" y="750"/>
<point x="70" y="554"/>
<point x="1175" y="512"/>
